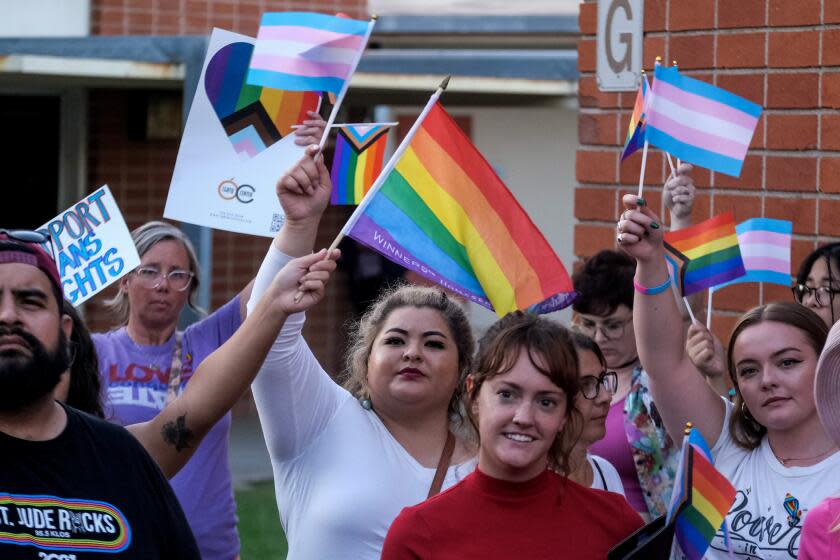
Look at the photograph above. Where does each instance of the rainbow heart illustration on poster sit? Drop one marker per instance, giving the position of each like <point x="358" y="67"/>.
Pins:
<point x="253" y="117"/>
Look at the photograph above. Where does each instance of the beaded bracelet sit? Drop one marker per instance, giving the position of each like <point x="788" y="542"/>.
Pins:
<point x="652" y="291"/>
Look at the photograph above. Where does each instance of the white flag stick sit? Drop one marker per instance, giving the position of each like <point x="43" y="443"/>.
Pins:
<point x="360" y="209"/>
<point x="346" y="85"/>
<point x="690" y="312"/>
<point x="709" y="309"/>
<point x="642" y="173"/>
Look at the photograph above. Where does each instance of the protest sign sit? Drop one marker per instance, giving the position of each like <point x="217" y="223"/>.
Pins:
<point x="91" y="245"/>
<point x="237" y="142"/>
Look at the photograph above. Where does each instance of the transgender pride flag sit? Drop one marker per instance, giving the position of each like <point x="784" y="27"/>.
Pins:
<point x="303" y="51"/>
<point x="765" y="248"/>
<point x="700" y="123"/>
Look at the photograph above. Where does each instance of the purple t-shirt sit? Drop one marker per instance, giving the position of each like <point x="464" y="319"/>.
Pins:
<point x="615" y="449"/>
<point x="135" y="379"/>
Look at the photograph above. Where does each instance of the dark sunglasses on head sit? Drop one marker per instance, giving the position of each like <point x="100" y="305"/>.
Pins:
<point x="30" y="236"/>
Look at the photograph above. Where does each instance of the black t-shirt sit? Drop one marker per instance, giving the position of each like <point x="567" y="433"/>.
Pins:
<point x="91" y="493"/>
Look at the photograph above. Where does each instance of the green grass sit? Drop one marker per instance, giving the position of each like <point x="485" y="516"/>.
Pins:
<point x="260" y="532"/>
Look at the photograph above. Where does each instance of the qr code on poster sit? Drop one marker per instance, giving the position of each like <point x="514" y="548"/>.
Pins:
<point x="277" y="220"/>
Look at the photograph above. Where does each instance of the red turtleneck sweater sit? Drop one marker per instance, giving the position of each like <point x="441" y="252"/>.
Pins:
<point x="482" y="517"/>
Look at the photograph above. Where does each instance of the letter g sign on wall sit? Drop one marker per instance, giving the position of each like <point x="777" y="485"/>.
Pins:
<point x="619" y="44"/>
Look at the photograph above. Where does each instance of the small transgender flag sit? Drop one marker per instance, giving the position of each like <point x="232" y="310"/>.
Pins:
<point x="765" y="248"/>
<point x="700" y="123"/>
<point x="303" y="51"/>
<point x="636" y="130"/>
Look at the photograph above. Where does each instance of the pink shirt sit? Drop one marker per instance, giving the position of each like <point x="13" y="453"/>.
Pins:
<point x="615" y="449"/>
<point x="818" y="542"/>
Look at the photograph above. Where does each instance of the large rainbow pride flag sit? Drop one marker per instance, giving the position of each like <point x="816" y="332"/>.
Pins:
<point x="254" y="117"/>
<point x="307" y="51"/>
<point x="701" y="498"/>
<point x="705" y="255"/>
<point x="698" y="122"/>
<point x="357" y="162"/>
<point x="444" y="213"/>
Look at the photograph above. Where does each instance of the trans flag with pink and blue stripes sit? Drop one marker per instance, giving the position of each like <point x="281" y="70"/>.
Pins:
<point x="700" y="123"/>
<point x="765" y="248"/>
<point x="302" y="51"/>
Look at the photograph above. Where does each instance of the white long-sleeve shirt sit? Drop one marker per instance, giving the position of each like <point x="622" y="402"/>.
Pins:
<point x="339" y="475"/>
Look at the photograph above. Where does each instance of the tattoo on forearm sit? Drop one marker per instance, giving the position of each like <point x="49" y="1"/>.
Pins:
<point x="177" y="434"/>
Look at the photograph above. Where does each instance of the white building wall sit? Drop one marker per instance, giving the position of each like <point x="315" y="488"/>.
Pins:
<point x="44" y="18"/>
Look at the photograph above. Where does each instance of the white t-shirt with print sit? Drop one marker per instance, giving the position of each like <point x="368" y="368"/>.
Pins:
<point x="759" y="524"/>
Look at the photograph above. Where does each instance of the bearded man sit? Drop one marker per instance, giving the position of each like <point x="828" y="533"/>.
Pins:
<point x="71" y="485"/>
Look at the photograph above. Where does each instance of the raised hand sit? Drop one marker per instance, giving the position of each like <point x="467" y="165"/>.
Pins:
<point x="679" y="195"/>
<point x="638" y="230"/>
<point x="311" y="130"/>
<point x="300" y="284"/>
<point x="705" y="351"/>
<point x="304" y="190"/>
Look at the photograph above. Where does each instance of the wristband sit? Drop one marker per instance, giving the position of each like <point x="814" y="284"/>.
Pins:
<point x="652" y="291"/>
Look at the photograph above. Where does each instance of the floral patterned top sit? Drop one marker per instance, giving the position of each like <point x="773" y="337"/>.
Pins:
<point x="654" y="453"/>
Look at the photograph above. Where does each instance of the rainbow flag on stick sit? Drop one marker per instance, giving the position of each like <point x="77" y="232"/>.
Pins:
<point x="705" y="255"/>
<point x="439" y="209"/>
<point x="701" y="498"/>
<point x="698" y="122"/>
<point x="359" y="151"/>
<point x="636" y="130"/>
<point x="304" y="51"/>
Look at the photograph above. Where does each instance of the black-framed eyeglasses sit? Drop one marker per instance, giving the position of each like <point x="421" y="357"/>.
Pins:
<point x="612" y="329"/>
<point x="590" y="385"/>
<point x="823" y="294"/>
<point x="151" y="278"/>
<point x="30" y="236"/>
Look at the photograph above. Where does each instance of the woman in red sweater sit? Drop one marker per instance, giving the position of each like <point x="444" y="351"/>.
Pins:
<point x="514" y="506"/>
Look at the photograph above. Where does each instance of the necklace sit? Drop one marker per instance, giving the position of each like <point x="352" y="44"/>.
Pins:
<point x="785" y="460"/>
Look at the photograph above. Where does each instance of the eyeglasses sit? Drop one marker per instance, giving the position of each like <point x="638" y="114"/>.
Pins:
<point x="150" y="277"/>
<point x="611" y="329"/>
<point x="823" y="294"/>
<point x="590" y="385"/>
<point x="30" y="236"/>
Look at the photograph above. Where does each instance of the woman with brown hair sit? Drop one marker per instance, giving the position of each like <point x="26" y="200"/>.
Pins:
<point x="515" y="505"/>
<point x="769" y="443"/>
<point x="347" y="459"/>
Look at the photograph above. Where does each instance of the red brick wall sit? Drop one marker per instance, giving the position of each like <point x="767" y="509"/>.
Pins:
<point x="783" y="55"/>
<point x="189" y="17"/>
<point x="138" y="172"/>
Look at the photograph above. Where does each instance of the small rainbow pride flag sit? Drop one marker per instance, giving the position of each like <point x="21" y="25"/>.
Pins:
<point x="359" y="151"/>
<point x="698" y="122"/>
<point x="636" y="130"/>
<point x="304" y="51"/>
<point x="705" y="255"/>
<point x="701" y="498"/>
<point x="444" y="213"/>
